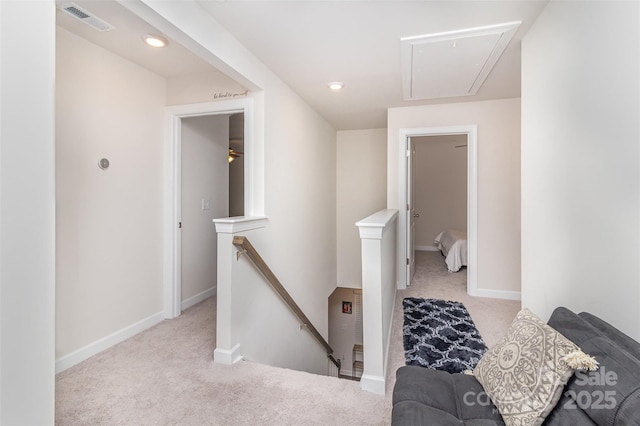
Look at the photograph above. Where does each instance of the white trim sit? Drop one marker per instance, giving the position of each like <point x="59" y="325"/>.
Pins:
<point x="373" y="384"/>
<point x="106" y="342"/>
<point x="409" y="45"/>
<point x="227" y="356"/>
<point x="232" y="225"/>
<point x="374" y="226"/>
<point x="497" y="294"/>
<point x="389" y="333"/>
<point x="172" y="213"/>
<point x="349" y="373"/>
<point x="426" y="248"/>
<point x="194" y="300"/>
<point x="472" y="198"/>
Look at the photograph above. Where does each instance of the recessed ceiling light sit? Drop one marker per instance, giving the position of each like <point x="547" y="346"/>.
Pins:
<point x="155" y="40"/>
<point x="336" y="85"/>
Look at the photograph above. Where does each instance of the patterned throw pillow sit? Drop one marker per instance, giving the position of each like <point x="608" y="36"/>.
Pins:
<point x="524" y="373"/>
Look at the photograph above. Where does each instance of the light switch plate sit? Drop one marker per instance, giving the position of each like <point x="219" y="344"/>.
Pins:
<point x="206" y="204"/>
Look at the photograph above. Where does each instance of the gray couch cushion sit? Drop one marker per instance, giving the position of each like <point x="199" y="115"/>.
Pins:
<point x="612" y="390"/>
<point x="423" y="396"/>
<point x="621" y="340"/>
<point x="611" y="395"/>
<point x="429" y="397"/>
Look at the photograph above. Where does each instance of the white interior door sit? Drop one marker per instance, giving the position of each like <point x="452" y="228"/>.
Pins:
<point x="411" y="213"/>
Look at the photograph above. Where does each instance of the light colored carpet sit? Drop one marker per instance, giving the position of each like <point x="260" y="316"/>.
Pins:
<point x="165" y="375"/>
<point x="433" y="281"/>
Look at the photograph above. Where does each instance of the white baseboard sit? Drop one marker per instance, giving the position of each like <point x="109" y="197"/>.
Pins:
<point x="344" y="372"/>
<point x="227" y="356"/>
<point x="497" y="294"/>
<point x="373" y="384"/>
<point x="85" y="352"/>
<point x="194" y="300"/>
<point x="426" y="248"/>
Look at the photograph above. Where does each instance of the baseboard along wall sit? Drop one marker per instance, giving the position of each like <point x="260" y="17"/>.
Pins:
<point x="85" y="352"/>
<point x="497" y="294"/>
<point x="194" y="300"/>
<point x="494" y="294"/>
<point x="426" y="248"/>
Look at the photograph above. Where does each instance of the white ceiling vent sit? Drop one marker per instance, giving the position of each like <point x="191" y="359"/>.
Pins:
<point x="454" y="63"/>
<point x="86" y="17"/>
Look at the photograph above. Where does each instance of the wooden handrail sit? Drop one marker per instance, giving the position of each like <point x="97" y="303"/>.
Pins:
<point x="245" y="247"/>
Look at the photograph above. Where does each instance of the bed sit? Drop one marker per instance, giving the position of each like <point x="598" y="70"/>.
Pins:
<point x="453" y="245"/>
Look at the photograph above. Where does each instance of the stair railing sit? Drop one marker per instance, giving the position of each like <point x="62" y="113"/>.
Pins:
<point x="244" y="247"/>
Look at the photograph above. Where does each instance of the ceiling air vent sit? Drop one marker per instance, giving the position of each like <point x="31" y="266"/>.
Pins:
<point x="86" y="17"/>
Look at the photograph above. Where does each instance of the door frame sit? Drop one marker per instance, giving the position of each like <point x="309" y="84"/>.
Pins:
<point x="471" y="131"/>
<point x="172" y="256"/>
<point x="410" y="242"/>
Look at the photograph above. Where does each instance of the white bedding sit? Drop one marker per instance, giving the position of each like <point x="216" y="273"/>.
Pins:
<point x="453" y="244"/>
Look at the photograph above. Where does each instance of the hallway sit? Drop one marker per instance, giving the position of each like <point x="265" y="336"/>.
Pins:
<point x="432" y="281"/>
<point x="166" y="375"/>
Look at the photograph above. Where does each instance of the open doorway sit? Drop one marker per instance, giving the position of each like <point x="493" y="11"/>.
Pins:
<point x="236" y="165"/>
<point x="407" y="211"/>
<point x="440" y="196"/>
<point x="211" y="184"/>
<point x="210" y="189"/>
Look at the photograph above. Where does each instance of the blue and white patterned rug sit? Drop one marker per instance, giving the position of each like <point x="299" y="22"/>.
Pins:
<point x="441" y="335"/>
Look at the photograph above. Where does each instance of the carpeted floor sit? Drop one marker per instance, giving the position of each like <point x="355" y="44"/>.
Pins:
<point x="165" y="375"/>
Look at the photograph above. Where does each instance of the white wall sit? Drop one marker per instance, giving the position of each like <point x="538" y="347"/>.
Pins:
<point x="498" y="179"/>
<point x="294" y="181"/>
<point x="361" y="191"/>
<point x="205" y="176"/>
<point x="109" y="222"/>
<point x="252" y="320"/>
<point x="27" y="218"/>
<point x="440" y="187"/>
<point x="300" y="201"/>
<point x="202" y="87"/>
<point x="342" y="328"/>
<point x="581" y="162"/>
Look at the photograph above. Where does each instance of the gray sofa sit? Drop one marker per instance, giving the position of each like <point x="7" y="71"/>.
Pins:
<point x="430" y="397"/>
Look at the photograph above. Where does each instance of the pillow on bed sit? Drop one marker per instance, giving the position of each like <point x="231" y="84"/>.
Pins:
<point x="524" y="373"/>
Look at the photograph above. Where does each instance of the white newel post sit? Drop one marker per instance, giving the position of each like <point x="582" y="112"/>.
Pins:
<point x="227" y="347"/>
<point x="378" y="236"/>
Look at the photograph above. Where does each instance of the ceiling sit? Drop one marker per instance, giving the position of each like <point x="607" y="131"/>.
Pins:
<point x="126" y="39"/>
<point x="309" y="43"/>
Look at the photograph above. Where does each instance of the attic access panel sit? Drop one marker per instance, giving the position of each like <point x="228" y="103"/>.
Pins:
<point x="454" y="63"/>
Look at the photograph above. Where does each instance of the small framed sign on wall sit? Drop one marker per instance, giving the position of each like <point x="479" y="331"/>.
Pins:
<point x="346" y="307"/>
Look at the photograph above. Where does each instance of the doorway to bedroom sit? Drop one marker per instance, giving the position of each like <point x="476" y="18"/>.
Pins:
<point x="440" y="197"/>
<point x="438" y="194"/>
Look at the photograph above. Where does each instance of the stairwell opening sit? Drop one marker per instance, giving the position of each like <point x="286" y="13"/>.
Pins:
<point x="345" y="330"/>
